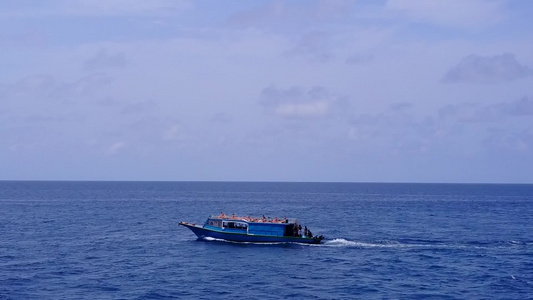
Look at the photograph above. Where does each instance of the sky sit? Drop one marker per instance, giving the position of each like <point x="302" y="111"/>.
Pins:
<point x="327" y="91"/>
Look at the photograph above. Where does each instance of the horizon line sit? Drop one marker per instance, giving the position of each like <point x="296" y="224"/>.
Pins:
<point x="264" y="181"/>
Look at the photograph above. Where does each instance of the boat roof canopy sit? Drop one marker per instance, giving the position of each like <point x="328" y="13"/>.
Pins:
<point x="249" y="219"/>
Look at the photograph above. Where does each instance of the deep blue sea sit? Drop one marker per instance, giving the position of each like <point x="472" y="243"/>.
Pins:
<point x="121" y="240"/>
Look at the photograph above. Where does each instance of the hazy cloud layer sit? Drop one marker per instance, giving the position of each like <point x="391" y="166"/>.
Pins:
<point x="33" y="85"/>
<point x="470" y="112"/>
<point x="504" y="142"/>
<point x="480" y="69"/>
<point x="473" y="14"/>
<point x="46" y="87"/>
<point x="47" y="8"/>
<point x="291" y="13"/>
<point x="104" y="60"/>
<point x="313" y="46"/>
<point x="274" y="90"/>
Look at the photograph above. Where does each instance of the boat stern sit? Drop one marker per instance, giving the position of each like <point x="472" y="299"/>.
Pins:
<point x="317" y="239"/>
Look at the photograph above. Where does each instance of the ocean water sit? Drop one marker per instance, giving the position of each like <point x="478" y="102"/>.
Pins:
<point x="121" y="240"/>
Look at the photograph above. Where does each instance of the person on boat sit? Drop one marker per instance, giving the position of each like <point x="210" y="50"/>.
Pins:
<point x="264" y="219"/>
<point x="299" y="230"/>
<point x="222" y="215"/>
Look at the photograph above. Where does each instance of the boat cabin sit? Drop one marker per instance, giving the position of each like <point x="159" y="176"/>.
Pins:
<point x="251" y="228"/>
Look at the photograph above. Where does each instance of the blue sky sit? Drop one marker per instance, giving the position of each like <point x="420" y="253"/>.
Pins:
<point x="392" y="91"/>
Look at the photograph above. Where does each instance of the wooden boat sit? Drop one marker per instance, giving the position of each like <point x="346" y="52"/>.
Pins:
<point x="253" y="230"/>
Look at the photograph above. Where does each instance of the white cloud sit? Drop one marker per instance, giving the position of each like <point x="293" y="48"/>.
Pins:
<point x="46" y="87"/>
<point x="502" y="141"/>
<point x="482" y="69"/>
<point x="295" y="102"/>
<point x="358" y="58"/>
<point x="103" y="60"/>
<point x="453" y="13"/>
<point x="85" y="86"/>
<point x="476" y="113"/>
<point x="173" y="133"/>
<point x="394" y="132"/>
<point x="34" y="85"/>
<point x="115" y="148"/>
<point x="139" y="107"/>
<point x="127" y="7"/>
<point x="315" y="46"/>
<point x="311" y="109"/>
<point x="469" y="127"/>
<point x="47" y="8"/>
<point x="287" y="13"/>
<point x="521" y="107"/>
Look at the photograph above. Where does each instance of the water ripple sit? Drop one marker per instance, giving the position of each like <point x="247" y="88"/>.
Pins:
<point x="121" y="241"/>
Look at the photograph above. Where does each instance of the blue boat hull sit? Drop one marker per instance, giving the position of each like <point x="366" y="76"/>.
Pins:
<point x="202" y="233"/>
